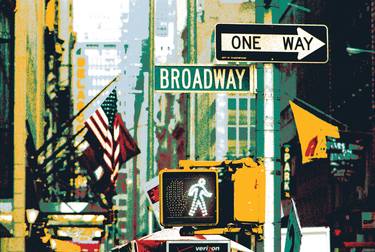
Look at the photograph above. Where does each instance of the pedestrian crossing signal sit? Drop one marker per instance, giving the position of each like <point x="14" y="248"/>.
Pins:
<point x="188" y="197"/>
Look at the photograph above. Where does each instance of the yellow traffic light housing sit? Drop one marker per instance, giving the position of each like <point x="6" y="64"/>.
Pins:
<point x="242" y="196"/>
<point x="189" y="197"/>
<point x="249" y="193"/>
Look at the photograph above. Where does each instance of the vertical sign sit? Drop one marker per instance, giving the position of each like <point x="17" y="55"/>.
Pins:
<point x="294" y="232"/>
<point x="81" y="93"/>
<point x="286" y="157"/>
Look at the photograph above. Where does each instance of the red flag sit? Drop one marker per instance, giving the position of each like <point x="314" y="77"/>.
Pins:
<point x="89" y="160"/>
<point x="101" y="185"/>
<point x="125" y="146"/>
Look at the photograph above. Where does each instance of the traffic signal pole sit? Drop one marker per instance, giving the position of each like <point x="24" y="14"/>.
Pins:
<point x="151" y="170"/>
<point x="268" y="139"/>
<point x="192" y="59"/>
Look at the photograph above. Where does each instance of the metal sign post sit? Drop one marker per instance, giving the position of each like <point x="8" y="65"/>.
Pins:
<point x="268" y="142"/>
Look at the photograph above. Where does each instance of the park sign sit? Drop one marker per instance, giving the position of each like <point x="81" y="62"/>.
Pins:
<point x="202" y="78"/>
<point x="283" y="43"/>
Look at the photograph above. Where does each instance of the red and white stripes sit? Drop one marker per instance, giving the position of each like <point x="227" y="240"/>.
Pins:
<point x="117" y="148"/>
<point x="98" y="124"/>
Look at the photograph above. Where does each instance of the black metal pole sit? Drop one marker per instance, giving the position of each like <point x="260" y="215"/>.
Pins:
<point x="68" y="123"/>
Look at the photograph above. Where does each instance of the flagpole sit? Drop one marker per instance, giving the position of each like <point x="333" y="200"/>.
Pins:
<point x="93" y="99"/>
<point x="70" y="121"/>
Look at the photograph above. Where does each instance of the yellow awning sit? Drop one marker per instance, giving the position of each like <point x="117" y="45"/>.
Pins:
<point x="312" y="133"/>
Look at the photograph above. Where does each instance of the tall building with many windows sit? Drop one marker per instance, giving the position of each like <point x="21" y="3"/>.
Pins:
<point x="101" y="54"/>
<point x="226" y="122"/>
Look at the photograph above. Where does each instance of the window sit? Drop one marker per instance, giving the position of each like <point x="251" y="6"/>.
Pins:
<point x="232" y="133"/>
<point x="243" y="104"/>
<point x="241" y="125"/>
<point x="232" y="104"/>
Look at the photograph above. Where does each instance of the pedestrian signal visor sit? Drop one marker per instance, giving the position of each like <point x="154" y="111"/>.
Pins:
<point x="189" y="197"/>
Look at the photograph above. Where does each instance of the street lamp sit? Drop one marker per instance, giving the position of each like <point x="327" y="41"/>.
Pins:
<point x="31" y="215"/>
<point x="352" y="50"/>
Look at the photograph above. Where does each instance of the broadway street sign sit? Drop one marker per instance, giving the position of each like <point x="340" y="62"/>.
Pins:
<point x="272" y="43"/>
<point x="202" y="78"/>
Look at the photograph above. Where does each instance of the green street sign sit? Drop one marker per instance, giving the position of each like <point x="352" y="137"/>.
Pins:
<point x="294" y="232"/>
<point x="202" y="78"/>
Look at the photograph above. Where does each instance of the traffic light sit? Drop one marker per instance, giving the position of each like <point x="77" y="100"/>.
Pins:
<point x="188" y="197"/>
<point x="249" y="194"/>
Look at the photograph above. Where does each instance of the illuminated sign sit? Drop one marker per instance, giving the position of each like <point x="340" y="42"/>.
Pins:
<point x="368" y="220"/>
<point x="345" y="157"/>
<point x="188" y="197"/>
<point x="287" y="171"/>
<point x="340" y="150"/>
<point x="198" y="191"/>
<point x="80" y="87"/>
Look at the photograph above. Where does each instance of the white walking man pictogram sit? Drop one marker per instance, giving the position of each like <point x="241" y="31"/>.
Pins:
<point x="198" y="191"/>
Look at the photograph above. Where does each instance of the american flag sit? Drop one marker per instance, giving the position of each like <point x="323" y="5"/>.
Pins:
<point x="100" y="123"/>
<point x="110" y="133"/>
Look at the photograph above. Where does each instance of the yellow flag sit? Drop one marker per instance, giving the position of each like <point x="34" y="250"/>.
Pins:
<point x="312" y="133"/>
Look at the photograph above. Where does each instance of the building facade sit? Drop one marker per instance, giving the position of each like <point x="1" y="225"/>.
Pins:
<point x="225" y="125"/>
<point x="342" y="95"/>
<point x="7" y="97"/>
<point x="27" y="60"/>
<point x="32" y="95"/>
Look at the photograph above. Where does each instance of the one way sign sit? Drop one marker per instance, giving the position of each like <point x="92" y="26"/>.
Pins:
<point x="295" y="43"/>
